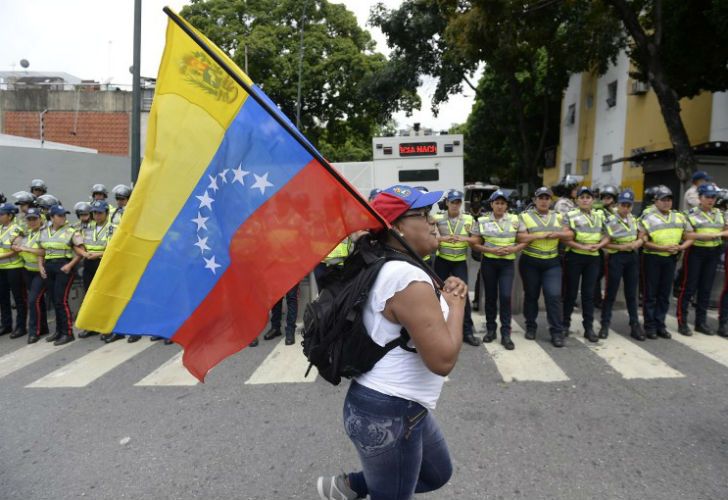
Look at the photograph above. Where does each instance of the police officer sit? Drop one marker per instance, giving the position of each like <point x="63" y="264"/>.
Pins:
<point x="28" y="247"/>
<point x="333" y="262"/>
<point x="452" y="253"/>
<point x="607" y="200"/>
<point x="540" y="265"/>
<point x="565" y="203"/>
<point x="11" y="275"/>
<point x="38" y="187"/>
<point x="45" y="202"/>
<point x="582" y="260"/>
<point x="701" y="260"/>
<point x="122" y="193"/>
<point x="622" y="264"/>
<point x="24" y="200"/>
<point x="83" y="213"/>
<point x="664" y="233"/>
<point x="99" y="192"/>
<point x="691" y="197"/>
<point x="497" y="232"/>
<point x="276" y="317"/>
<point x="56" y="266"/>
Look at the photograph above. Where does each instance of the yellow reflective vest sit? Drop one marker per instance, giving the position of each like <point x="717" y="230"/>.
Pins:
<point x="31" y="240"/>
<point x="58" y="244"/>
<point x="588" y="229"/>
<point x="96" y="238"/>
<point x="458" y="251"/>
<point x="535" y="224"/>
<point x="621" y="231"/>
<point x="339" y="254"/>
<point x="707" y="223"/>
<point x="498" y="233"/>
<point x="664" y="229"/>
<point x="8" y="258"/>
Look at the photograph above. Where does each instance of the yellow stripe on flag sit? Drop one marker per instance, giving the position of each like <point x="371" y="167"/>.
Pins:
<point x="195" y="102"/>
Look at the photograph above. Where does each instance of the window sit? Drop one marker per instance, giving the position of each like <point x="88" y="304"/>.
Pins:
<point x="431" y="174"/>
<point x="612" y="94"/>
<point x="607" y="163"/>
<point x="571" y="115"/>
<point x="584" y="167"/>
<point x="567" y="168"/>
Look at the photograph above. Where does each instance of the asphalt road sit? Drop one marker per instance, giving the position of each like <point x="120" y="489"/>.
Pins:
<point x="603" y="427"/>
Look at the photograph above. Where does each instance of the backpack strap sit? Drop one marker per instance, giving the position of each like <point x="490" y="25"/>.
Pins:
<point x="400" y="341"/>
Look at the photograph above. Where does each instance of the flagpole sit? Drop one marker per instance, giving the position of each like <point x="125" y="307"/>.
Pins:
<point x="296" y="134"/>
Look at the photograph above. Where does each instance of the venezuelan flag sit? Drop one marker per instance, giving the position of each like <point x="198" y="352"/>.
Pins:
<point x="230" y="211"/>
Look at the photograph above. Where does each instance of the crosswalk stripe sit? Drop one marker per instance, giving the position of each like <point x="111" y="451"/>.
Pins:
<point x="284" y="365"/>
<point x="27" y="355"/>
<point x="627" y="358"/>
<point x="528" y="362"/>
<point x="171" y="373"/>
<point x="711" y="346"/>
<point x="88" y="368"/>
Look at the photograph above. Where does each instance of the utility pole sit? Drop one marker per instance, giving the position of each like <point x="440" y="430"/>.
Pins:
<point x="136" y="94"/>
<point x="300" y="69"/>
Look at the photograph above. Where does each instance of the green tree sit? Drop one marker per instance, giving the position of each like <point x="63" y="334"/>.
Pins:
<point x="680" y="48"/>
<point x="528" y="53"/>
<point x="348" y="92"/>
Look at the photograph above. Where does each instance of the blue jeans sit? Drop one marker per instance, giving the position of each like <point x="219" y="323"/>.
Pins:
<point x="401" y="447"/>
<point x="536" y="274"/>
<point x="498" y="279"/>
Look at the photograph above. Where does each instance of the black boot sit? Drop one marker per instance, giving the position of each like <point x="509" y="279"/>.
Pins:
<point x="723" y="330"/>
<point x="471" y="339"/>
<point x="271" y="334"/>
<point x="531" y="334"/>
<point x="557" y="339"/>
<point x="113" y="338"/>
<point x="133" y="338"/>
<point x="254" y="343"/>
<point x="64" y="339"/>
<point x="489" y="336"/>
<point x="683" y="329"/>
<point x="635" y="331"/>
<point x="590" y="335"/>
<point x="33" y="338"/>
<point x="53" y="338"/>
<point x="507" y="342"/>
<point x="604" y="331"/>
<point x="701" y="328"/>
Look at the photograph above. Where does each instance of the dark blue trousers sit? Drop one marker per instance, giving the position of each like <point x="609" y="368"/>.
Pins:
<point x="37" y="312"/>
<point x="659" y="272"/>
<point x="291" y="313"/>
<point x="498" y="279"/>
<point x="12" y="282"/>
<point x="699" y="265"/>
<point x="446" y="268"/>
<point x="584" y="269"/>
<point x="537" y="274"/>
<point x="622" y="266"/>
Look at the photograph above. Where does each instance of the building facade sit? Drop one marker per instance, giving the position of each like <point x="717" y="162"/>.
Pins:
<point x="610" y="117"/>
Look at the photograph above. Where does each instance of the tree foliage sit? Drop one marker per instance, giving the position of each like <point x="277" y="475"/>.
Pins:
<point x="349" y="91"/>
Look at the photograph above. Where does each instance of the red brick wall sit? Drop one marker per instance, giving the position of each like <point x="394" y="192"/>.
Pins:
<point x="106" y="132"/>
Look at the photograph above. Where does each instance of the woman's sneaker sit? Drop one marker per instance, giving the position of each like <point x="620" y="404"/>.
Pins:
<point x="335" y="488"/>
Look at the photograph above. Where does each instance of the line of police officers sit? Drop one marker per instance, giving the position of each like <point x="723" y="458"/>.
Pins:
<point x="40" y="252"/>
<point x="565" y="254"/>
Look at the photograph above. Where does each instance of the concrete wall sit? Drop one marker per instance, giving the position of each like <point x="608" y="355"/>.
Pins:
<point x="69" y="175"/>
<point x="719" y="117"/>
<point x="569" y="147"/>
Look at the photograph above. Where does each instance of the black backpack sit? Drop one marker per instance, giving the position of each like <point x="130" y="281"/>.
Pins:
<point x="335" y="340"/>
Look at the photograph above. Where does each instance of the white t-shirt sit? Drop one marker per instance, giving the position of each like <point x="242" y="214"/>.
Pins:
<point x="399" y="373"/>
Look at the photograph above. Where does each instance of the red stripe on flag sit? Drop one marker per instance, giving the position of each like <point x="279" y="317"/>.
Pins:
<point x="271" y="251"/>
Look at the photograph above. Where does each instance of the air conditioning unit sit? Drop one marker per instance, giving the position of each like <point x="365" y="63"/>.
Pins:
<point x="639" y="88"/>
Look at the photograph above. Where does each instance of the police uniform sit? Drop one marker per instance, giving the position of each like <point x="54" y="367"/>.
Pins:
<point x="58" y="245"/>
<point x="37" y="312"/>
<point x="700" y="263"/>
<point x="11" y="277"/>
<point x="583" y="265"/>
<point x="659" y="266"/>
<point x="540" y="267"/>
<point x="564" y="205"/>
<point x="451" y="258"/>
<point x="622" y="265"/>
<point x="497" y="270"/>
<point x="332" y="262"/>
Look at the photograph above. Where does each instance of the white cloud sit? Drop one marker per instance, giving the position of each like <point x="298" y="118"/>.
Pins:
<point x="93" y="40"/>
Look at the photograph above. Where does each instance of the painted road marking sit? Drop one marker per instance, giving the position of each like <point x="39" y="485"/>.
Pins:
<point x="27" y="355"/>
<point x="711" y="346"/>
<point x="171" y="373"/>
<point x="286" y="364"/>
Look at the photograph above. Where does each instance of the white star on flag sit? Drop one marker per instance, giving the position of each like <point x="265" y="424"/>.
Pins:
<point x="211" y="264"/>
<point x="200" y="221"/>
<point x="202" y="244"/>
<point x="205" y="201"/>
<point x="261" y="182"/>
<point x="239" y="173"/>
<point x="223" y="175"/>
<point x="213" y="183"/>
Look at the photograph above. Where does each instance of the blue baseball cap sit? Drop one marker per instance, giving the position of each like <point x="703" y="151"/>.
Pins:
<point x="100" y="206"/>
<point x="584" y="190"/>
<point x="396" y="200"/>
<point x="497" y="194"/>
<point x="32" y="213"/>
<point x="8" y="208"/>
<point x="58" y="210"/>
<point x="455" y="195"/>
<point x="626" y="196"/>
<point x="701" y="174"/>
<point x="708" y="190"/>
